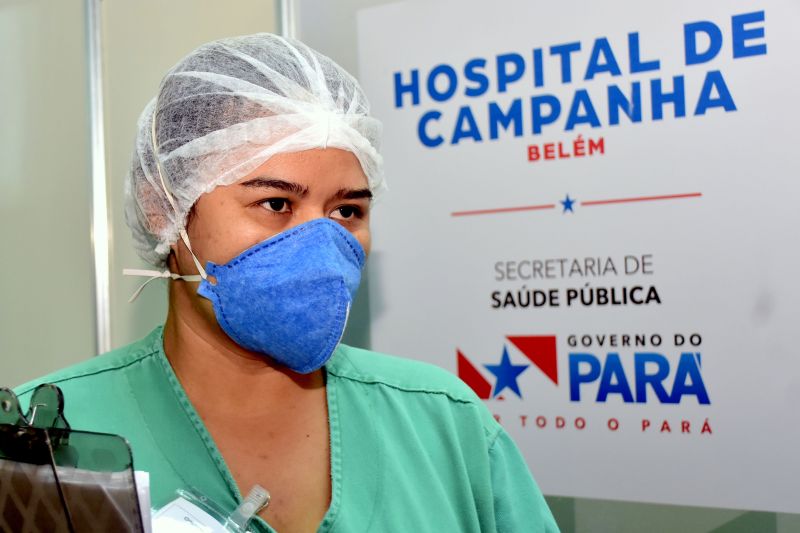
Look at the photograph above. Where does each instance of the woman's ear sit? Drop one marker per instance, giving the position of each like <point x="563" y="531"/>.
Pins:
<point x="172" y="258"/>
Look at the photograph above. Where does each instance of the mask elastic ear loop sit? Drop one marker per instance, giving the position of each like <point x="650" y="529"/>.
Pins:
<point x="153" y="275"/>
<point x="184" y="236"/>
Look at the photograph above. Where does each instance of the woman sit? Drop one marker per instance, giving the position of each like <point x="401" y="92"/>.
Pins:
<point x="251" y="186"/>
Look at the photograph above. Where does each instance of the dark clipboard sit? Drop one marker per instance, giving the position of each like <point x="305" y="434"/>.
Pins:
<point x="56" y="479"/>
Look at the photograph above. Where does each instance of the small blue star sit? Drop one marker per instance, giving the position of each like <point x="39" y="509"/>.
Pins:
<point x="567" y="203"/>
<point x="506" y="374"/>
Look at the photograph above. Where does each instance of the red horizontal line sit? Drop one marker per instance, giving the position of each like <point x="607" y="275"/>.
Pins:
<point x="642" y="199"/>
<point x="502" y="210"/>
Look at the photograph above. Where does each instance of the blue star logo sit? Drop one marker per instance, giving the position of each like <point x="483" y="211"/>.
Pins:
<point x="507" y="374"/>
<point x="567" y="203"/>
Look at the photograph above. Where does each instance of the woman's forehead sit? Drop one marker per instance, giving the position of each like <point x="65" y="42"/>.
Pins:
<point x="328" y="168"/>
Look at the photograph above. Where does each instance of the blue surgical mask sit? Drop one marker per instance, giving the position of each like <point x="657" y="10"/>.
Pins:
<point x="289" y="296"/>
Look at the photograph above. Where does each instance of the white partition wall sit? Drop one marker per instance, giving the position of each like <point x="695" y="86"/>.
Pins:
<point x="47" y="317"/>
<point x="48" y="312"/>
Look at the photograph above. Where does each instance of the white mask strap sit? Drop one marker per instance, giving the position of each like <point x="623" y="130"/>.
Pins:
<point x="155" y="274"/>
<point x="165" y="274"/>
<point x="183" y="234"/>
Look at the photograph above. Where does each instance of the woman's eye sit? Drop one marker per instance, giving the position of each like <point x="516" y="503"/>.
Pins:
<point x="346" y="212"/>
<point x="278" y="205"/>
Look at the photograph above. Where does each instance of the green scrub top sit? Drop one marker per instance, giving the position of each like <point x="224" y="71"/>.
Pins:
<point x="412" y="447"/>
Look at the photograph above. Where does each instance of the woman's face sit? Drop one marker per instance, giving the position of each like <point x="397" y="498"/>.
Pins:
<point x="289" y="189"/>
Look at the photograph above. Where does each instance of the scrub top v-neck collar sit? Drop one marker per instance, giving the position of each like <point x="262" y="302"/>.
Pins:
<point x="182" y="419"/>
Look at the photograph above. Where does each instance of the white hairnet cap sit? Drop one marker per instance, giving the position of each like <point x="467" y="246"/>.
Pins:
<point x="223" y="111"/>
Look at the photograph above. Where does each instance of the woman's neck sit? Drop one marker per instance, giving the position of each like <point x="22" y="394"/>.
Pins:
<point x="217" y="373"/>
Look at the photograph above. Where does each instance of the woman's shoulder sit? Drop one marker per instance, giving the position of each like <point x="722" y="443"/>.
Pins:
<point x="401" y="373"/>
<point x="98" y="368"/>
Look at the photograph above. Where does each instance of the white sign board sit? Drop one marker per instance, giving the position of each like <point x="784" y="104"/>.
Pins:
<point x="593" y="219"/>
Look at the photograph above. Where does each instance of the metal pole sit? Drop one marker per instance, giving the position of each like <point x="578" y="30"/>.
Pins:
<point x="100" y="234"/>
<point x="287" y="18"/>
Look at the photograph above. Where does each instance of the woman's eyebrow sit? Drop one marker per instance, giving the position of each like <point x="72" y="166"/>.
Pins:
<point x="353" y="194"/>
<point x="273" y="183"/>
